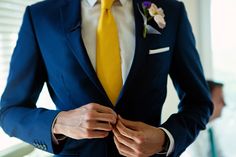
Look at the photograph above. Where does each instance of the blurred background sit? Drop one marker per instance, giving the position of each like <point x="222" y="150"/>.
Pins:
<point x="214" y="27"/>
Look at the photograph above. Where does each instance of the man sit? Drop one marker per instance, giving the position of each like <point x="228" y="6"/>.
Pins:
<point x="106" y="69"/>
<point x="206" y="144"/>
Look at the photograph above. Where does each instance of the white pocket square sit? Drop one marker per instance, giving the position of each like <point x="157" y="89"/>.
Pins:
<point x="160" y="50"/>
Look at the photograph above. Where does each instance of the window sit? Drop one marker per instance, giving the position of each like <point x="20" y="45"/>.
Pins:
<point x="11" y="13"/>
<point x="224" y="57"/>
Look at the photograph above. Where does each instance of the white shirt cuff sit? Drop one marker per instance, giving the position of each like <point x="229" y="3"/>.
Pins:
<point x="172" y="142"/>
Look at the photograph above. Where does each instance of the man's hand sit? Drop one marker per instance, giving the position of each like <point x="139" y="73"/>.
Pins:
<point x="87" y="122"/>
<point x="137" y="139"/>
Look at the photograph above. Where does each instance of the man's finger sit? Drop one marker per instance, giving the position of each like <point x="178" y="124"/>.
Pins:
<point x="125" y="131"/>
<point x="94" y="125"/>
<point x="104" y="117"/>
<point x="100" y="108"/>
<point x="124" y="140"/>
<point x="90" y="134"/>
<point x="123" y="150"/>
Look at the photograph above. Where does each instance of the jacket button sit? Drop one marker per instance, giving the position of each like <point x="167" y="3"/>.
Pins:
<point x="44" y="147"/>
<point x="41" y="147"/>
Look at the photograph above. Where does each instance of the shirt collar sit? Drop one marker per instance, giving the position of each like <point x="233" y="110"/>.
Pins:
<point x="93" y="2"/>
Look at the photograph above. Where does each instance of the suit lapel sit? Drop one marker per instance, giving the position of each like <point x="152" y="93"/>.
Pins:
<point x="71" y="20"/>
<point x="140" y="51"/>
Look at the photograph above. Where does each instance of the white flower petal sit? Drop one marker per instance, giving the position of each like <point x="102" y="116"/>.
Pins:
<point x="161" y="12"/>
<point x="153" y="10"/>
<point x="160" y="21"/>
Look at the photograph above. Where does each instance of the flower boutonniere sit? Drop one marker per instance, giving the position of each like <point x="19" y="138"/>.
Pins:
<point x="151" y="11"/>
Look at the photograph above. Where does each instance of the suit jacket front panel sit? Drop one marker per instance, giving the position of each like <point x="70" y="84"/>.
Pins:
<point x="70" y="82"/>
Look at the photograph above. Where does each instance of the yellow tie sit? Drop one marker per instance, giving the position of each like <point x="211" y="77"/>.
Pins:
<point x="108" y="60"/>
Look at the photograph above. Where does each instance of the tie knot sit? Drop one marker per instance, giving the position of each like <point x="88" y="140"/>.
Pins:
<point x="107" y="4"/>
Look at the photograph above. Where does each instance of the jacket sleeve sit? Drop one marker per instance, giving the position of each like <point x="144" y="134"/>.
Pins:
<point x="186" y="72"/>
<point x="19" y="116"/>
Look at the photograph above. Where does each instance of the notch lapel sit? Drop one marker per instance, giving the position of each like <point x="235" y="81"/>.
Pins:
<point x="71" y="20"/>
<point x="140" y="51"/>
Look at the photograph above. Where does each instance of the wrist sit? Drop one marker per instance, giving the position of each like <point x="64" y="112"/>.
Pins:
<point x="164" y="141"/>
<point x="57" y="126"/>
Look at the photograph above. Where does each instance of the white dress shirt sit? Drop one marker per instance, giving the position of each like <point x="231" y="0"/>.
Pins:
<point x="122" y="11"/>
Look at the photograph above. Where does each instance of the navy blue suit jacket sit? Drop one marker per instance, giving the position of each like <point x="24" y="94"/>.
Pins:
<point x="50" y="49"/>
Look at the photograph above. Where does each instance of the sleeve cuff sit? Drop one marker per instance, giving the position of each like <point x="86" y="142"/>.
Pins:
<point x="172" y="142"/>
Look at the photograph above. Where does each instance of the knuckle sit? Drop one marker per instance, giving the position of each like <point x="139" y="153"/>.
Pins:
<point x="140" y="139"/>
<point x="113" y="118"/>
<point x="89" y="115"/>
<point x="93" y="106"/>
<point x="87" y="133"/>
<point x="88" y="125"/>
<point x="88" y="106"/>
